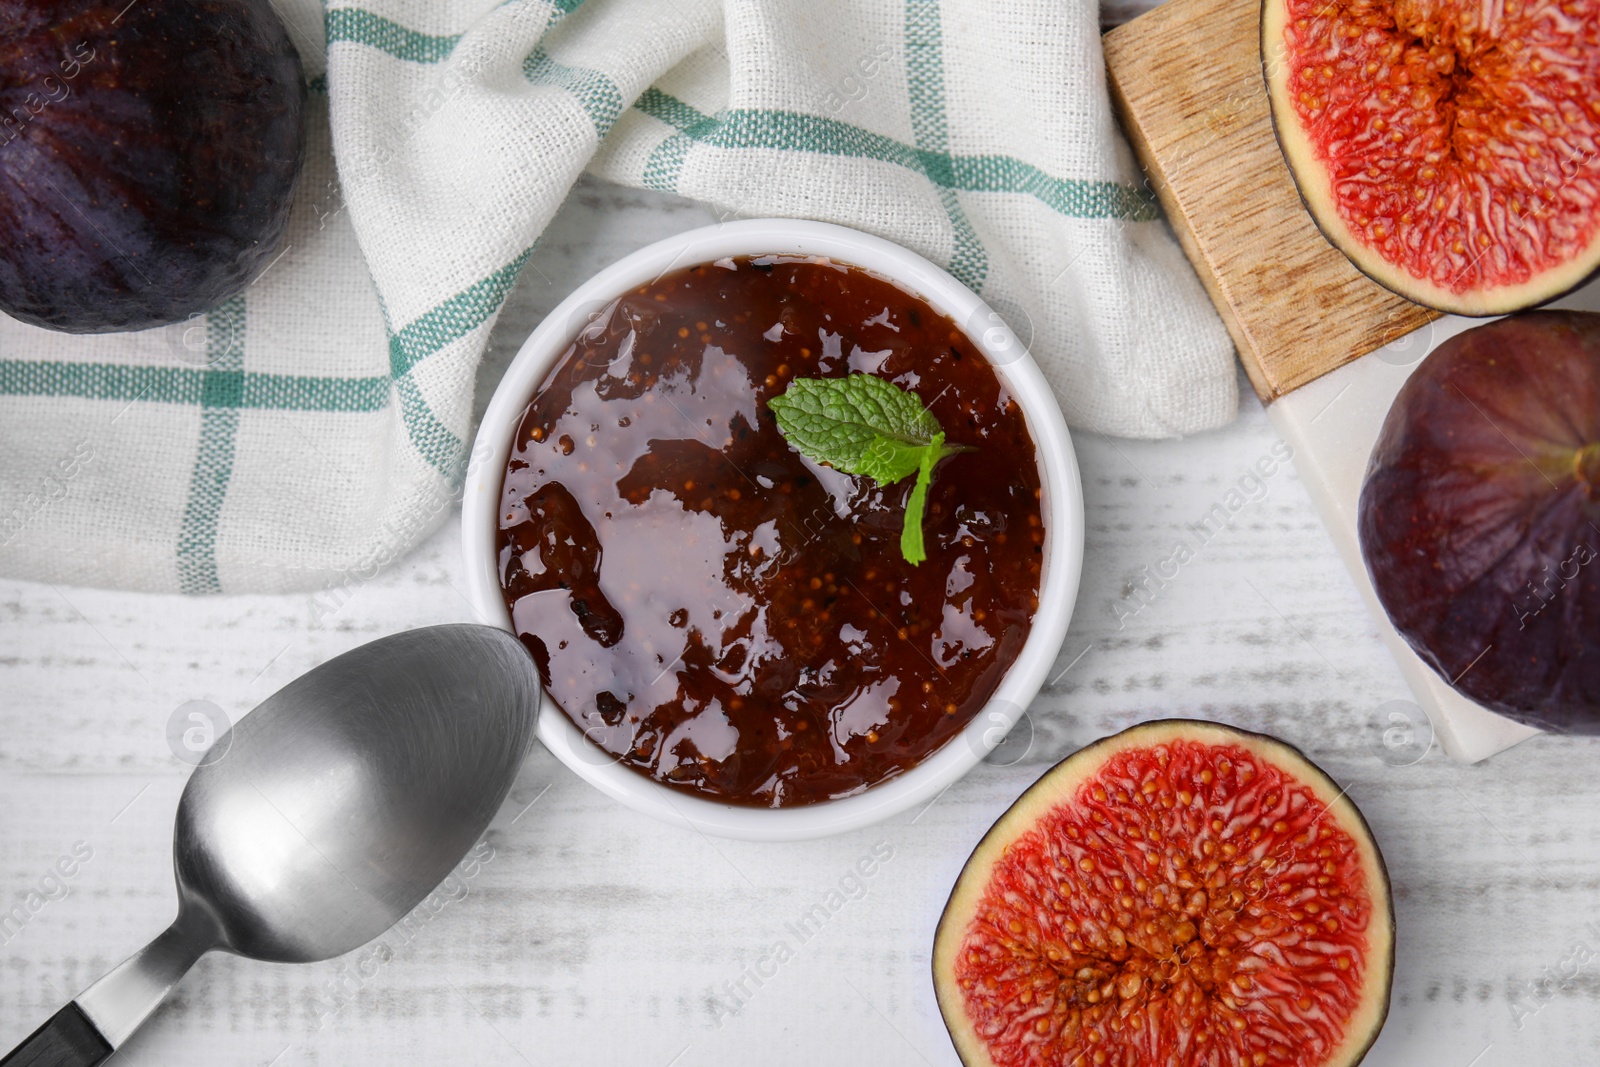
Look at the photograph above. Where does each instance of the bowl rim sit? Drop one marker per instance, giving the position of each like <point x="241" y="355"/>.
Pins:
<point x="1061" y="503"/>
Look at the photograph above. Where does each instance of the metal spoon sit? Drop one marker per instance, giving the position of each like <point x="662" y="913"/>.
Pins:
<point x="339" y="803"/>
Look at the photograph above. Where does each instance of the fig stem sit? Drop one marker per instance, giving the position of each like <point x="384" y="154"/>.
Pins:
<point x="1587" y="466"/>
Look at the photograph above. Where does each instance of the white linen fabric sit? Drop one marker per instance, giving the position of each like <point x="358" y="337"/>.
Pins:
<point x="307" y="432"/>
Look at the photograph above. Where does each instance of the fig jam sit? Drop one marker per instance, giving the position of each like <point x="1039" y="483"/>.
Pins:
<point x="717" y="611"/>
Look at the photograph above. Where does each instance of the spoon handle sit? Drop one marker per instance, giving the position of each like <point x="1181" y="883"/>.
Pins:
<point x="93" y="1026"/>
<point x="121" y="1001"/>
<point x="69" y="1039"/>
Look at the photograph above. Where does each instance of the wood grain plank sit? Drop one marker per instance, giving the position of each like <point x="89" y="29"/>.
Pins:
<point x="1186" y="81"/>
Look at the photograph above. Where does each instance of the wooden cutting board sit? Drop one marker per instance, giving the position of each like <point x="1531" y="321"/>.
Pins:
<point x="1186" y="80"/>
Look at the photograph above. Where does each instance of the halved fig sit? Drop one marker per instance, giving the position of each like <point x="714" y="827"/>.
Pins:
<point x="1447" y="147"/>
<point x="1480" y="516"/>
<point x="1181" y="894"/>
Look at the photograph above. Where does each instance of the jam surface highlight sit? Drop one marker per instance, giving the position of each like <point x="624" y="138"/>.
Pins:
<point x="720" y="613"/>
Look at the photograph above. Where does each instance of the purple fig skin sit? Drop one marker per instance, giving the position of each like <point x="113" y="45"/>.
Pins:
<point x="148" y="156"/>
<point x="1480" y="516"/>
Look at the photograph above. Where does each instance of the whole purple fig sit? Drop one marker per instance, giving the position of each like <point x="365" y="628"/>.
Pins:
<point x="148" y="156"/>
<point x="1480" y="516"/>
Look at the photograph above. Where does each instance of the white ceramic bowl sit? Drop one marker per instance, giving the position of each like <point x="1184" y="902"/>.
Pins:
<point x="1062" y="512"/>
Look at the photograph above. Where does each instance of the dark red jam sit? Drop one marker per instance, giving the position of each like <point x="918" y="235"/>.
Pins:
<point x="724" y="615"/>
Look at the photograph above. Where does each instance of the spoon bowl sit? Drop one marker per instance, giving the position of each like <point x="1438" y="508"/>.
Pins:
<point x="338" y="804"/>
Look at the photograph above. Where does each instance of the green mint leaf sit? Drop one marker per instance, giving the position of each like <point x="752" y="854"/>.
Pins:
<point x="837" y="421"/>
<point x="887" y="460"/>
<point x="865" y="425"/>
<point x="911" y="532"/>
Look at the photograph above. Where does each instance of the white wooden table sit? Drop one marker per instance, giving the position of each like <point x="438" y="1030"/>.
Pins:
<point x="594" y="936"/>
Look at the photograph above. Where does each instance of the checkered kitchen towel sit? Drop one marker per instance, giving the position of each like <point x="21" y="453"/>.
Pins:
<point x="309" y="431"/>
